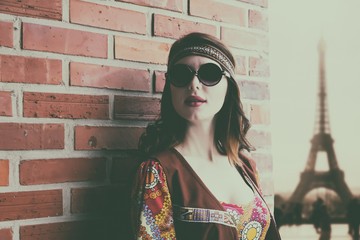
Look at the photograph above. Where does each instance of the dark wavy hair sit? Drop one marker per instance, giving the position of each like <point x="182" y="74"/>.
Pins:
<point x="231" y="123"/>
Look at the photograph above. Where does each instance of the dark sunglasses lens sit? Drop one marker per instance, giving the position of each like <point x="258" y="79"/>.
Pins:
<point x="180" y="75"/>
<point x="210" y="74"/>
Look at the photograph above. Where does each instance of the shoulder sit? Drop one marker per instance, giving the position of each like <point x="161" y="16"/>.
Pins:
<point x="149" y="165"/>
<point x="150" y="175"/>
<point x="169" y="163"/>
<point x="162" y="160"/>
<point x="170" y="159"/>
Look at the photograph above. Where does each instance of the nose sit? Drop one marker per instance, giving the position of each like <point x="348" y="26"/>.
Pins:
<point x="195" y="82"/>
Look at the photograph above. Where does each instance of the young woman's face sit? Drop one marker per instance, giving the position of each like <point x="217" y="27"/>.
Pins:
<point x="196" y="101"/>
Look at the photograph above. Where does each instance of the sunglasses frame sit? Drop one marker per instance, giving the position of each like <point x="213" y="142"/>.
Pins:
<point x="196" y="73"/>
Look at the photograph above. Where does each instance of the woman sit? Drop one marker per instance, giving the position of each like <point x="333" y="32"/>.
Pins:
<point x="197" y="181"/>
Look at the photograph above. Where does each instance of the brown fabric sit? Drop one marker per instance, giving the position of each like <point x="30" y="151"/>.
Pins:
<point x="187" y="189"/>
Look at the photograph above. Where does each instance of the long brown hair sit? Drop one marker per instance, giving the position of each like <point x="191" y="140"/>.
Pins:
<point x="231" y="123"/>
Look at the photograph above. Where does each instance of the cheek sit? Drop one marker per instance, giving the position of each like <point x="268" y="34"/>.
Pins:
<point x="219" y="96"/>
<point x="219" y="92"/>
<point x="176" y="97"/>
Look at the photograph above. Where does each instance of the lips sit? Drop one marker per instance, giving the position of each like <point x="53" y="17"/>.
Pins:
<point x="194" y="101"/>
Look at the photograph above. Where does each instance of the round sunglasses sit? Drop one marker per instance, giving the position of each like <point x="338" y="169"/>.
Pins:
<point x="208" y="74"/>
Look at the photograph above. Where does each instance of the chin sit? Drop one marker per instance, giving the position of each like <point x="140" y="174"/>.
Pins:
<point x="199" y="119"/>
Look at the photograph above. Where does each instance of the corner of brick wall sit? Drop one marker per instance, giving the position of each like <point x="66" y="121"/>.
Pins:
<point x="79" y="80"/>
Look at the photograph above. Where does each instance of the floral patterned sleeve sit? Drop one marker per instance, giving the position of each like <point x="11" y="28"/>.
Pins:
<point x="156" y="217"/>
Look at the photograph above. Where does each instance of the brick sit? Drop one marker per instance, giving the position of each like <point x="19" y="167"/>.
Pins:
<point x="141" y="50"/>
<point x="171" y="27"/>
<point x="159" y="81"/>
<point x="259" y="67"/>
<point x="33" y="8"/>
<point x="126" y="165"/>
<point x="136" y="108"/>
<point x="254" y="90"/>
<point x="121" y="196"/>
<point x="62" y="40"/>
<point x="72" y="106"/>
<point x="6" y="234"/>
<point x="17" y="69"/>
<point x="45" y="171"/>
<point x="31" y="204"/>
<point x="4" y="173"/>
<point x="174" y="5"/>
<point x="79" y="230"/>
<point x="6" y="36"/>
<point x="218" y="11"/>
<point x="89" y="200"/>
<point x="120" y="192"/>
<point x="28" y="136"/>
<point x="241" y="64"/>
<point x="97" y="138"/>
<point x="260" y="114"/>
<point x="258" y="19"/>
<point x="245" y="40"/>
<point x="5" y="104"/>
<point x="259" y="139"/>
<point x="110" y="204"/>
<point x="261" y="3"/>
<point x="107" y="17"/>
<point x="100" y="76"/>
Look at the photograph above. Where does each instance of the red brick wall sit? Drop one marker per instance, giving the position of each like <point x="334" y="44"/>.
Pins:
<point x="79" y="80"/>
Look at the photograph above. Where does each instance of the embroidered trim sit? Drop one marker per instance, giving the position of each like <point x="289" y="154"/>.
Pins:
<point x="207" y="51"/>
<point x="203" y="215"/>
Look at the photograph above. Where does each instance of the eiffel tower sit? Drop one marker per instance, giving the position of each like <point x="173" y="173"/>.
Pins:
<point x="322" y="141"/>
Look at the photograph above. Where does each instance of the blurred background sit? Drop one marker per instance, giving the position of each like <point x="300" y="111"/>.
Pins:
<point x="296" y="28"/>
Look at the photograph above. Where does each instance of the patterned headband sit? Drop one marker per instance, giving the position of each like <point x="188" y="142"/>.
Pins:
<point x="205" y="51"/>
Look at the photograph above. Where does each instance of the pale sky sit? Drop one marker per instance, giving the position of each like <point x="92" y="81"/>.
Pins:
<point x="295" y="29"/>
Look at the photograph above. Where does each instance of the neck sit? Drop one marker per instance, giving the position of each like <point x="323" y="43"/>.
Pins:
<point x="199" y="140"/>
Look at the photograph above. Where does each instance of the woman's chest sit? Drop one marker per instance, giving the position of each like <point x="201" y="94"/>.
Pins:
<point x="225" y="183"/>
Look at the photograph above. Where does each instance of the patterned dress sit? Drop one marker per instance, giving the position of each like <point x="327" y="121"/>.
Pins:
<point x="157" y="211"/>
